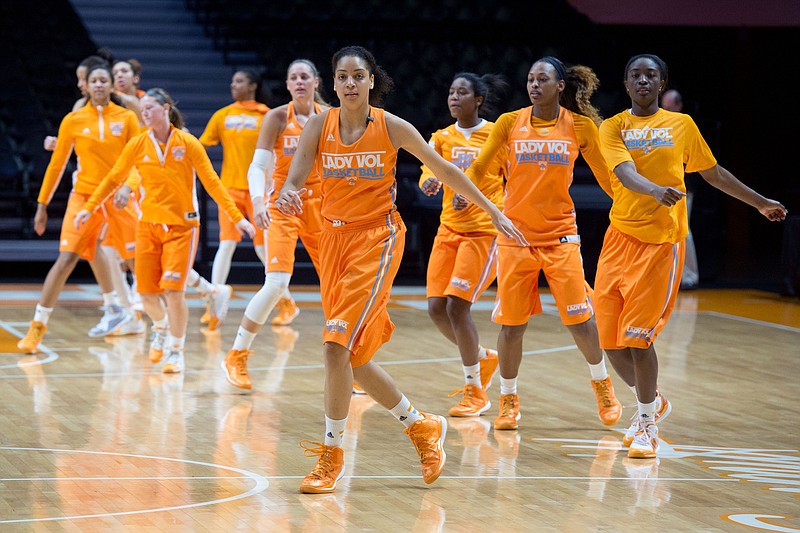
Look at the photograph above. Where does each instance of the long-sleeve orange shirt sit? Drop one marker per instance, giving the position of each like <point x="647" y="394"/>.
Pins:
<point x="235" y="126"/>
<point x="168" y="179"/>
<point x="98" y="135"/>
<point x="541" y="158"/>
<point x="454" y="146"/>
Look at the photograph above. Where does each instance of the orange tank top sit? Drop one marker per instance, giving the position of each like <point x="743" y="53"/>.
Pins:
<point x="540" y="164"/>
<point x="358" y="180"/>
<point x="285" y="147"/>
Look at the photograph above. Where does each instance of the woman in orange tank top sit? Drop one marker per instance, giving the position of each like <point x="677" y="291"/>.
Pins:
<point x="543" y="141"/>
<point x="277" y="142"/>
<point x="354" y="149"/>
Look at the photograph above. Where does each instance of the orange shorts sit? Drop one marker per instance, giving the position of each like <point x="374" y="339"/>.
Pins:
<point x="284" y="231"/>
<point x="164" y="256"/>
<point x="518" y="283"/>
<point x="461" y="265"/>
<point x="636" y="286"/>
<point x="227" y="229"/>
<point x="361" y="261"/>
<point x="81" y="241"/>
<point x="121" y="233"/>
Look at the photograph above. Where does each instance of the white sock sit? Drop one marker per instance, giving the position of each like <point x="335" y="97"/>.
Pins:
<point x="647" y="412"/>
<point x="405" y="412"/>
<point x="472" y="375"/>
<point x="42" y="314"/>
<point x="110" y="299"/>
<point x="177" y="343"/>
<point x="334" y="431"/>
<point x="598" y="371"/>
<point x="481" y="353"/>
<point x="508" y="385"/>
<point x="199" y="283"/>
<point x="244" y="339"/>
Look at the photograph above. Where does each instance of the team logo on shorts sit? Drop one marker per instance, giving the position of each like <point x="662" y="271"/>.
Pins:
<point x="460" y="284"/>
<point x="169" y="275"/>
<point x="178" y="152"/>
<point x="116" y="128"/>
<point x="638" y="333"/>
<point x="337" y="325"/>
<point x="577" y="309"/>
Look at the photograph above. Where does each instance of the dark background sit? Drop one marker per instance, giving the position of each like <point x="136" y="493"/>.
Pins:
<point x="737" y="80"/>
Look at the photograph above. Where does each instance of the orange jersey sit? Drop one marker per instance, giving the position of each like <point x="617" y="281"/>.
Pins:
<point x="285" y="147"/>
<point x="454" y="146"/>
<point x="541" y="158"/>
<point x="235" y="126"/>
<point x="98" y="136"/>
<point x="168" y="179"/>
<point x="663" y="147"/>
<point x="358" y="180"/>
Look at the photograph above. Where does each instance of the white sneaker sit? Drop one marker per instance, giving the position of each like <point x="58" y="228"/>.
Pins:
<point x="134" y="326"/>
<point x="173" y="363"/>
<point x="113" y="317"/>
<point x="157" y="344"/>
<point x="663" y="409"/>
<point x="645" y="443"/>
<point x="219" y="298"/>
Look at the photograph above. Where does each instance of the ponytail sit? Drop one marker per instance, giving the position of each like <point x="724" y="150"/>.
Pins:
<point x="163" y="97"/>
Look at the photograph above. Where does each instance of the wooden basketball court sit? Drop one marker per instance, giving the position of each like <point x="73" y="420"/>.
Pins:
<point x="95" y="438"/>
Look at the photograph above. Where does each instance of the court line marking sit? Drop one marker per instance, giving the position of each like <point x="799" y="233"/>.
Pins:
<point x="261" y="484"/>
<point x="51" y="355"/>
<point x="750" y="321"/>
<point x="526" y="478"/>
<point x="156" y="372"/>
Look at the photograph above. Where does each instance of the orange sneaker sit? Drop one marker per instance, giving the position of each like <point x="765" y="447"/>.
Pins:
<point x="357" y="389"/>
<point x="328" y="470"/>
<point x="608" y="407"/>
<point x="235" y="367"/>
<point x="508" y="416"/>
<point x="173" y="363"/>
<point x="30" y="342"/>
<point x="219" y="300"/>
<point x="488" y="368"/>
<point x="157" y="344"/>
<point x="663" y="410"/>
<point x="472" y="403"/>
<point x="285" y="338"/>
<point x="428" y="436"/>
<point x="287" y="312"/>
<point x="206" y="318"/>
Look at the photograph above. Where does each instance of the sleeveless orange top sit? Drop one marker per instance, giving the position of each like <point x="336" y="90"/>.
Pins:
<point x="284" y="149"/>
<point x="540" y="164"/>
<point x="358" y="180"/>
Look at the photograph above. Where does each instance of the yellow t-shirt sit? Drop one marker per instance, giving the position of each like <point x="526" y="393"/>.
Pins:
<point x="235" y="126"/>
<point x="663" y="146"/>
<point x="453" y="146"/>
